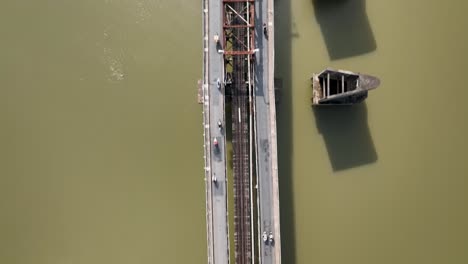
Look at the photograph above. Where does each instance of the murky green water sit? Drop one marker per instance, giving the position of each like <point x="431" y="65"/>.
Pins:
<point x="384" y="182"/>
<point x="101" y="138"/>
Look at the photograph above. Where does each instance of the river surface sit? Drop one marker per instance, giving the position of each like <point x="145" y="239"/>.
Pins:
<point x="101" y="148"/>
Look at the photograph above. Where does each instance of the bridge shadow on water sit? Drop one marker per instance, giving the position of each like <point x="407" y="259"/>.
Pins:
<point x="283" y="37"/>
<point x="346" y="134"/>
<point x="346" y="31"/>
<point x="345" y="27"/>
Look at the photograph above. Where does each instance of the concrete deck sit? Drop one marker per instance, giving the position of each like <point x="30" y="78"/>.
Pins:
<point x="265" y="120"/>
<point x="217" y="215"/>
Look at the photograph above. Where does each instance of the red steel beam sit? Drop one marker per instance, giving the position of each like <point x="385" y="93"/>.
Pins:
<point x="238" y="26"/>
<point x="238" y="1"/>
<point x="239" y="52"/>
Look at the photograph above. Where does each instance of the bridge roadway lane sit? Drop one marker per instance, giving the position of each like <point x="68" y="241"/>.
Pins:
<point x="266" y="137"/>
<point x="218" y="155"/>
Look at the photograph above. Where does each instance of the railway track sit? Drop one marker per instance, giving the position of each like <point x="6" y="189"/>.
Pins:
<point x="241" y="165"/>
<point x="238" y="35"/>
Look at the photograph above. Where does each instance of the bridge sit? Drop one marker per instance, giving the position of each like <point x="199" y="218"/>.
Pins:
<point x="238" y="68"/>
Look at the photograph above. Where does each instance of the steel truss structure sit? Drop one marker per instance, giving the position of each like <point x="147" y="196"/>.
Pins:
<point x="238" y="44"/>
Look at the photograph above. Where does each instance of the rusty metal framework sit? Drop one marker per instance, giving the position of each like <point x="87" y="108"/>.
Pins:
<point x="238" y="27"/>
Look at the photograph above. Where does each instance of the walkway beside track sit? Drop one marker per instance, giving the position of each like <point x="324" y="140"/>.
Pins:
<point x="215" y="155"/>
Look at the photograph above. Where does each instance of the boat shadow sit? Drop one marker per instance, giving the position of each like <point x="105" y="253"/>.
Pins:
<point x="347" y="136"/>
<point x="345" y="27"/>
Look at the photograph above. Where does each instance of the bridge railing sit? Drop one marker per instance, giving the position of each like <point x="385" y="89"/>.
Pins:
<point x="206" y="136"/>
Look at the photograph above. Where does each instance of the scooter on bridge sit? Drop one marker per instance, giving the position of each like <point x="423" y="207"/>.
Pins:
<point x="271" y="238"/>
<point x="265" y="30"/>
<point x="265" y="237"/>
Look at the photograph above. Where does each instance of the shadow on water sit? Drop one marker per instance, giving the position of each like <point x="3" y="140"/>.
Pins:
<point x="283" y="37"/>
<point x="345" y="27"/>
<point x="346" y="134"/>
